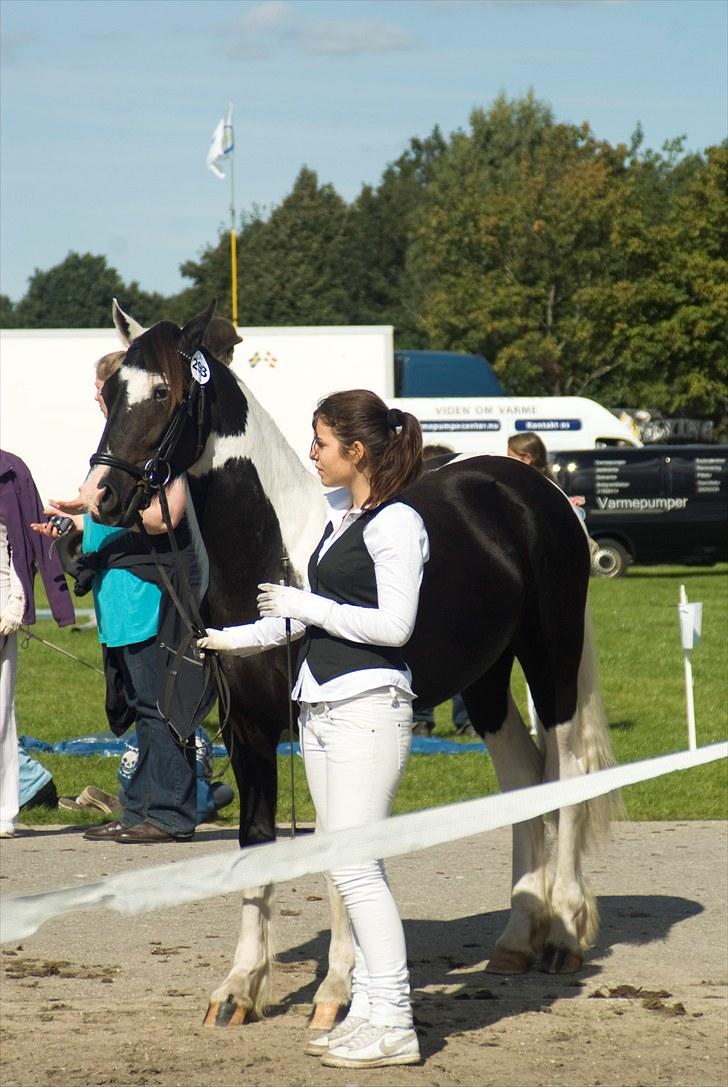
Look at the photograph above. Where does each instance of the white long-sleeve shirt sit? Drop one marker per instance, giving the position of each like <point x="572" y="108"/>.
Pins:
<point x="396" y="540"/>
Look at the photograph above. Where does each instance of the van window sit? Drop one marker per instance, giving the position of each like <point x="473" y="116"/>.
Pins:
<point x="611" y="474"/>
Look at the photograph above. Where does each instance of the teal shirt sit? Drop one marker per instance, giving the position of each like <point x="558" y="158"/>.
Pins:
<point x="127" y="608"/>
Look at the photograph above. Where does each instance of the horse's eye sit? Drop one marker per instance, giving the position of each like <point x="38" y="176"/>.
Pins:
<point x="161" y="392"/>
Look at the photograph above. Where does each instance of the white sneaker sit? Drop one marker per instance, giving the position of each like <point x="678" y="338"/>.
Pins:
<point x="375" y="1047"/>
<point x="7" y="830"/>
<point x="320" y="1045"/>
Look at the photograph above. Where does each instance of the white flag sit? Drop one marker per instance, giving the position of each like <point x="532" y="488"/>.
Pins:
<point x="223" y="143"/>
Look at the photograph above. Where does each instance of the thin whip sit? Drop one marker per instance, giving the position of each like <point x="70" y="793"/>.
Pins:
<point x="289" y="678"/>
<point x="28" y="634"/>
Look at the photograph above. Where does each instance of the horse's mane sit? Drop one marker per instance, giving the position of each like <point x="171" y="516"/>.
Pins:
<point x="158" y="349"/>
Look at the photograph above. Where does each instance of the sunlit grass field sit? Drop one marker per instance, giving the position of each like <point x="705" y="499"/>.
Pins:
<point x="636" y="623"/>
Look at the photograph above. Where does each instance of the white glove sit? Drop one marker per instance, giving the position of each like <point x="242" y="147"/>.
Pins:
<point x="285" y="602"/>
<point x="238" y="640"/>
<point x="11" y="617"/>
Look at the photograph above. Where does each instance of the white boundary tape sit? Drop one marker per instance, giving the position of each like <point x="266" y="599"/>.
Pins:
<point x="221" y="873"/>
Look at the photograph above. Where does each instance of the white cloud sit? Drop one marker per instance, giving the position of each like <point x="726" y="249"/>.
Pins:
<point x="271" y="23"/>
<point x="265" y="16"/>
<point x="351" y="38"/>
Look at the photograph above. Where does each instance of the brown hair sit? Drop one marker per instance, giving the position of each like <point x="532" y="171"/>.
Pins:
<point x="530" y="443"/>
<point x="391" y="438"/>
<point x="109" y="364"/>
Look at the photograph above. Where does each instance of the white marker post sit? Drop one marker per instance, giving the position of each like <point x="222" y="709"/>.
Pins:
<point x="691" y="621"/>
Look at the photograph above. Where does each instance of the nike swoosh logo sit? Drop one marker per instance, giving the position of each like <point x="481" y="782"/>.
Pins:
<point x="388" y="1049"/>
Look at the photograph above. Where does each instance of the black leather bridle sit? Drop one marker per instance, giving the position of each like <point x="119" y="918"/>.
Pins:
<point x="157" y="472"/>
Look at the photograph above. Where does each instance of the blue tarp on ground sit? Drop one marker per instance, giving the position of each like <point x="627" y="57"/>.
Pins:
<point x="105" y="743"/>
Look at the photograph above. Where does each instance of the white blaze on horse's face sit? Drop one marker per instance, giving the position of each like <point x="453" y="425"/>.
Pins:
<point x="140" y="386"/>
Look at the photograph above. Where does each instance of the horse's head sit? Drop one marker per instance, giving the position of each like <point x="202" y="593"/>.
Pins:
<point x="159" y="416"/>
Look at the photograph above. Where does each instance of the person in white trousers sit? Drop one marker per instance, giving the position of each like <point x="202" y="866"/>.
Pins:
<point x="354" y="616"/>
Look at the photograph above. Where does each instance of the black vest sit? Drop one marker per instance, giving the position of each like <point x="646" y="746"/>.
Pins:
<point x="346" y="575"/>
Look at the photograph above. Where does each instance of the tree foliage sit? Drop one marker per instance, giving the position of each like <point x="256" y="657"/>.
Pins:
<point x="575" y="266"/>
<point x="77" y="293"/>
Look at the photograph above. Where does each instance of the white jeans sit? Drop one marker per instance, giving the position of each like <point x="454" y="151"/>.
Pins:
<point x="9" y="781"/>
<point x="355" y="752"/>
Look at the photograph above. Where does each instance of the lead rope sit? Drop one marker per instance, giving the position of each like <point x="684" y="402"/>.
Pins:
<point x="289" y="676"/>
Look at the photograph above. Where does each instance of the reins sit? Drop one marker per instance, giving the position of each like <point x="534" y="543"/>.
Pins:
<point x="189" y="613"/>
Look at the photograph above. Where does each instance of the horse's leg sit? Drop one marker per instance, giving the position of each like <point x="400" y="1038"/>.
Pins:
<point x="247" y="986"/>
<point x="573" y="909"/>
<point x="334" y="992"/>
<point x="518" y="763"/>
<point x="577" y="747"/>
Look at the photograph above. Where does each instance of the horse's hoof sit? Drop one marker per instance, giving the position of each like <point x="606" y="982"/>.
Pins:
<point x="559" y="960"/>
<point x="508" y="962"/>
<point x="324" y="1016"/>
<point x="226" y="1014"/>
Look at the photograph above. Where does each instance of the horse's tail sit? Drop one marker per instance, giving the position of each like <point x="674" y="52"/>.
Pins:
<point x="592" y="743"/>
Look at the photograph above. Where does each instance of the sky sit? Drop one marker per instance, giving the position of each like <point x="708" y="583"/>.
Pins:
<point x="108" y="106"/>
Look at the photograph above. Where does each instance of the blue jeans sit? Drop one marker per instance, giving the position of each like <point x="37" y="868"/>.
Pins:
<point x="459" y="713"/>
<point x="163" y="788"/>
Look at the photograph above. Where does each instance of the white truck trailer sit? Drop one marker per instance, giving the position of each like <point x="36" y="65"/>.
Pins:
<point x="49" y="418"/>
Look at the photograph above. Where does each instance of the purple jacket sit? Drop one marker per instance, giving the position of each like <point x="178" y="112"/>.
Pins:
<point x="20" y="505"/>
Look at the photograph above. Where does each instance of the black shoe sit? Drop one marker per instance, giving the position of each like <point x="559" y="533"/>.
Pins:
<point x="105" y="832"/>
<point x="47" y="797"/>
<point x="149" y="834"/>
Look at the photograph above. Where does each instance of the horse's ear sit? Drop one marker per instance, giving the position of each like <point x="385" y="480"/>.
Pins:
<point x="195" y="329"/>
<point x="126" y="326"/>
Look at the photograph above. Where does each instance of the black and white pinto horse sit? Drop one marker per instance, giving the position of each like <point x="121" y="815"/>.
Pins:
<point x="507" y="578"/>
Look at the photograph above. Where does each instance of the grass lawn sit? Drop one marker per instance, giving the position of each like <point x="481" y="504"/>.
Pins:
<point x="636" y="624"/>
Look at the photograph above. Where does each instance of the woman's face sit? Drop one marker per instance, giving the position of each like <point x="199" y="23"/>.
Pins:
<point x="525" y="457"/>
<point x="335" y="465"/>
<point x="99" y="397"/>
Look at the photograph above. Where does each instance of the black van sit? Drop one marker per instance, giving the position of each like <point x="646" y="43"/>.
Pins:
<point x="660" y="503"/>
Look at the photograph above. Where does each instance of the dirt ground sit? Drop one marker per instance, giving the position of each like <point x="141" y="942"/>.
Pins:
<point x="98" y="998"/>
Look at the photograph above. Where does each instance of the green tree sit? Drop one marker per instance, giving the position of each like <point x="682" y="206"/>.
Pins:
<point x="288" y="264"/>
<point x="7" y="312"/>
<point x="77" y="293"/>
<point x="666" y="315"/>
<point x="377" y="235"/>
<point x="513" y="228"/>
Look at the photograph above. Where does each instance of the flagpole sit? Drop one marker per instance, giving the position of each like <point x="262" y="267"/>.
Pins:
<point x="233" y="238"/>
